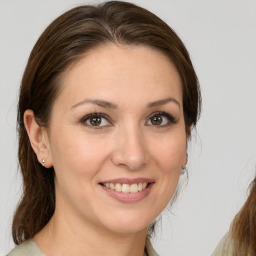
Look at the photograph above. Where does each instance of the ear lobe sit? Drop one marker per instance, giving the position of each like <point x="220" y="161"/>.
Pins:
<point x="38" y="138"/>
<point x="188" y="131"/>
<point x="185" y="161"/>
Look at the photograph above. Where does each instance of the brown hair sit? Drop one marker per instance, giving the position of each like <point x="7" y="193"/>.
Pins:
<point x="63" y="42"/>
<point x="243" y="229"/>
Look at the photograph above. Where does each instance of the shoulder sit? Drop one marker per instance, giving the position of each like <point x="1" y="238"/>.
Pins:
<point x="27" y="248"/>
<point x="30" y="248"/>
<point x="224" y="247"/>
<point x="149" y="248"/>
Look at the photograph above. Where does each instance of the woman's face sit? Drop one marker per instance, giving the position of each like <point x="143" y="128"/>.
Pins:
<point x="117" y="138"/>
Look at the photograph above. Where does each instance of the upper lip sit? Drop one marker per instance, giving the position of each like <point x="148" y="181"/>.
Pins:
<point x="128" y="181"/>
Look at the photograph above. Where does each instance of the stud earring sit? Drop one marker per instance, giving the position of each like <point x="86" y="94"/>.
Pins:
<point x="183" y="170"/>
<point x="43" y="161"/>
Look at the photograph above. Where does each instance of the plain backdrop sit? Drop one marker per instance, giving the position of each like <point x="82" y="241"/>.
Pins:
<point x="221" y="38"/>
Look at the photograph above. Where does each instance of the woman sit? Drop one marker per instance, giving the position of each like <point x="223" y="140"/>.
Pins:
<point x="107" y="103"/>
<point x="241" y="239"/>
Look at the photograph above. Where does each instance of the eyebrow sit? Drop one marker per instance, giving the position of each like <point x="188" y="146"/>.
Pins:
<point x="100" y="103"/>
<point x="106" y="104"/>
<point x="163" y="102"/>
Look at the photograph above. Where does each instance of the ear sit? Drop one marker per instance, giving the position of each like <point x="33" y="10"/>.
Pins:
<point x="188" y="131"/>
<point x="38" y="139"/>
<point x="185" y="161"/>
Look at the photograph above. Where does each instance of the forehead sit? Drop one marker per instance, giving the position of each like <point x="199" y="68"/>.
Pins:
<point x="121" y="72"/>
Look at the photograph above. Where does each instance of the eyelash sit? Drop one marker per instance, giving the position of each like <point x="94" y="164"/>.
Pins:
<point x="171" y="120"/>
<point x="94" y="115"/>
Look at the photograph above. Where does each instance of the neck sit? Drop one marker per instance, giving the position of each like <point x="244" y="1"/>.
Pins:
<point x="69" y="236"/>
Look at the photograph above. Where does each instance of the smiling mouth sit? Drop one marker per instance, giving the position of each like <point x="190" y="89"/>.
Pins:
<point x="126" y="188"/>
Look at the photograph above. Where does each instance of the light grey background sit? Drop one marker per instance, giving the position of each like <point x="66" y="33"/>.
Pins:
<point x="221" y="38"/>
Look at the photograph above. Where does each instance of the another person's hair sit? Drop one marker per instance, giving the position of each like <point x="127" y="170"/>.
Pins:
<point x="63" y="43"/>
<point x="243" y="228"/>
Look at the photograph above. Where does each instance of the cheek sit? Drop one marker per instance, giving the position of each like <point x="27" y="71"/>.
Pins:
<point x="170" y="153"/>
<point x="170" y="156"/>
<point x="75" y="154"/>
<point x="77" y="159"/>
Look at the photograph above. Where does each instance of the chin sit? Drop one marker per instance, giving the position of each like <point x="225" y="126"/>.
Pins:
<point x="128" y="228"/>
<point x="129" y="223"/>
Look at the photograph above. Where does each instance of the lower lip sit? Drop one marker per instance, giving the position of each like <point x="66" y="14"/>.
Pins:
<point x="129" y="197"/>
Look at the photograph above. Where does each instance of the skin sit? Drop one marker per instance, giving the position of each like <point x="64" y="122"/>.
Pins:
<point x="127" y="144"/>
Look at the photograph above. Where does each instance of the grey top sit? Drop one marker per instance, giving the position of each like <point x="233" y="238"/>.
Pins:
<point x="27" y="248"/>
<point x="30" y="248"/>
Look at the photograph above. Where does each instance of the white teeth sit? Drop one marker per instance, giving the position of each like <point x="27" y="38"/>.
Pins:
<point x="134" y="188"/>
<point x="126" y="188"/>
<point x="118" y="187"/>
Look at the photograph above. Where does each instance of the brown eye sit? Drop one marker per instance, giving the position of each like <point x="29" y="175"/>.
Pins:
<point x="95" y="121"/>
<point x="156" y="120"/>
<point x="161" y="119"/>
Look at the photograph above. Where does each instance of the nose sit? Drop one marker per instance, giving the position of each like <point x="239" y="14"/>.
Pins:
<point x="130" y="149"/>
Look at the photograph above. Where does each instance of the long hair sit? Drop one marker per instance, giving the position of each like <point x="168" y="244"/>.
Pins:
<point x="62" y="44"/>
<point x="243" y="228"/>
